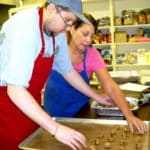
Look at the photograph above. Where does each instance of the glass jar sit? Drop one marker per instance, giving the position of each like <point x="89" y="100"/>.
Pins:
<point x="128" y="17"/>
<point x="141" y="18"/>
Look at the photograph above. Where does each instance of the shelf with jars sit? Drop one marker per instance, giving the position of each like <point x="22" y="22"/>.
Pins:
<point x="131" y="36"/>
<point x="124" y="31"/>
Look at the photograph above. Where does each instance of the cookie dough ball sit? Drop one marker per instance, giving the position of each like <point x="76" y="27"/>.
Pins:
<point x="92" y="147"/>
<point x="123" y="142"/>
<point x="138" y="146"/>
<point x="113" y="132"/>
<point x="126" y="130"/>
<point x="110" y="139"/>
<point x="138" y="139"/>
<point x="101" y="135"/>
<point x="97" y="141"/>
<point x="123" y="148"/>
<point x="116" y="127"/>
<point x="107" y="145"/>
<point x="125" y="136"/>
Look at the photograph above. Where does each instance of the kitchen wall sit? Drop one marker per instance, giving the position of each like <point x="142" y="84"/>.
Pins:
<point x="5" y="5"/>
<point x="4" y="12"/>
<point x="99" y="8"/>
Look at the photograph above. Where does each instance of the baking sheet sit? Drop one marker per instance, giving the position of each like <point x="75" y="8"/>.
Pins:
<point x="91" y="128"/>
<point x="114" y="111"/>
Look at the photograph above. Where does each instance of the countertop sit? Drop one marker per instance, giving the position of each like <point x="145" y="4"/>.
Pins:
<point x="41" y="139"/>
<point x="86" y="112"/>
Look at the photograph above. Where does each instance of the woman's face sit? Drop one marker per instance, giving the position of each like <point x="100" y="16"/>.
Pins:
<point x="82" y="36"/>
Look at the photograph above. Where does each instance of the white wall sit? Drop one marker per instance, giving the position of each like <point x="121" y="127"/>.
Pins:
<point x="100" y="8"/>
<point x="97" y="8"/>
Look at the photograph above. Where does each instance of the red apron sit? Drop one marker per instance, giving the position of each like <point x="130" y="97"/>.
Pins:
<point x="14" y="125"/>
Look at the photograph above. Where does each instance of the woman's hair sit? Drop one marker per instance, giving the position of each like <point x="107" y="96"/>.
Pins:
<point x="79" y="23"/>
<point x="94" y="22"/>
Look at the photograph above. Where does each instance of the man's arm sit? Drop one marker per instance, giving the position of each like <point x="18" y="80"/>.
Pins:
<point x="28" y="105"/>
<point x="74" y="79"/>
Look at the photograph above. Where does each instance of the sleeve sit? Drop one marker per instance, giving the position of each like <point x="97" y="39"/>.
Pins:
<point x="98" y="62"/>
<point x="62" y="61"/>
<point x="22" y="55"/>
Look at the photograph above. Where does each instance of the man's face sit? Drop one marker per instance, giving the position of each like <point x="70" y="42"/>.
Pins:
<point x="59" y="21"/>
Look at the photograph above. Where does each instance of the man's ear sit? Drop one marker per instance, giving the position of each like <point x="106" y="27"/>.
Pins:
<point x="51" y="7"/>
<point x="71" y="29"/>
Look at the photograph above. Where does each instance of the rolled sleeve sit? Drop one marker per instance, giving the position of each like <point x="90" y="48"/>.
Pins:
<point x="62" y="61"/>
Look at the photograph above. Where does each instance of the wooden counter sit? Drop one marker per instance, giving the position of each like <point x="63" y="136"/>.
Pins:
<point x="143" y="112"/>
<point x="41" y="139"/>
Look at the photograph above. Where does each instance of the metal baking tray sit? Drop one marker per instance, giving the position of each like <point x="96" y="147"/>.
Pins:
<point x="114" y="111"/>
<point x="91" y="128"/>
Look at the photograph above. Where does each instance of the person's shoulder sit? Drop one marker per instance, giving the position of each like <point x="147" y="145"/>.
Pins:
<point x="24" y="15"/>
<point x="61" y="35"/>
<point x="61" y="38"/>
<point x="92" y="49"/>
<point x="27" y="11"/>
<point x="27" y="19"/>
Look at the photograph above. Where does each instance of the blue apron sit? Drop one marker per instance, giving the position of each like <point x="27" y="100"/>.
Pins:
<point x="61" y="99"/>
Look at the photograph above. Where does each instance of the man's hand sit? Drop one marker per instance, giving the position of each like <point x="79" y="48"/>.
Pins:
<point x="70" y="137"/>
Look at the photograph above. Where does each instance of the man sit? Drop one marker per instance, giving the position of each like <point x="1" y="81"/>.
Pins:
<point x="28" y="42"/>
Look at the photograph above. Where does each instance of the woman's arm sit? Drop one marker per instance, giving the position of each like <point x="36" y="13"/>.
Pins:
<point x="113" y="91"/>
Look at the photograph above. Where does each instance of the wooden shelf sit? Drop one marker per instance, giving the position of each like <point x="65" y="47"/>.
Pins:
<point x="133" y="43"/>
<point x="133" y="26"/>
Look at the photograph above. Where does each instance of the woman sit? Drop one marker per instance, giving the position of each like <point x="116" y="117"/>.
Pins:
<point x="63" y="100"/>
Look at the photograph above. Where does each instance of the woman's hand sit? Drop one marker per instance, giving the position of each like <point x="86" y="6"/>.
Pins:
<point x="134" y="121"/>
<point x="104" y="99"/>
<point x="70" y="137"/>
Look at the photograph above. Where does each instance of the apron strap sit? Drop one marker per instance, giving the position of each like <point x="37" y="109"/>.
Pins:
<point x="41" y="32"/>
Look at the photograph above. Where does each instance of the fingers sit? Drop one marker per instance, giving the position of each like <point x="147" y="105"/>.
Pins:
<point x="131" y="127"/>
<point x="110" y="102"/>
<point x="106" y="100"/>
<point x="77" y="143"/>
<point x="70" y="137"/>
<point x="139" y="124"/>
<point x="81" y="139"/>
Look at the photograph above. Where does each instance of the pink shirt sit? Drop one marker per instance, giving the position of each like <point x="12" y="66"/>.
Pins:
<point x="94" y="62"/>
